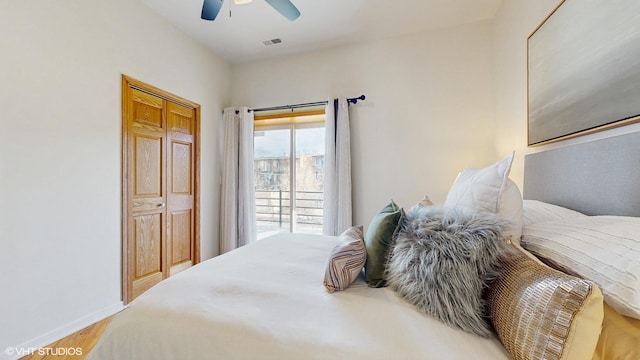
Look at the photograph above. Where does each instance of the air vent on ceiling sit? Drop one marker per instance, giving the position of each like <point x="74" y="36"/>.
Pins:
<point x="271" y="42"/>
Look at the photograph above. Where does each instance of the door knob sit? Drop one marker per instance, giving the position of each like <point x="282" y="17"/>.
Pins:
<point x="161" y="205"/>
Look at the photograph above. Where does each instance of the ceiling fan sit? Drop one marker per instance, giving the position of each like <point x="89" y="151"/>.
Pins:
<point x="211" y="8"/>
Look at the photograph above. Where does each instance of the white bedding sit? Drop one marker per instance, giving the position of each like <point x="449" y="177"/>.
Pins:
<point x="267" y="301"/>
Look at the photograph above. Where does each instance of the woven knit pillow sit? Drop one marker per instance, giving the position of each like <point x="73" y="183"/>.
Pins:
<point x="346" y="260"/>
<point x="443" y="260"/>
<point x="534" y="211"/>
<point x="604" y="249"/>
<point x="542" y="313"/>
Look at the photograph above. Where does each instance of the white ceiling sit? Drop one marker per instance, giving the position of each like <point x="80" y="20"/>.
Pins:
<point x="323" y="23"/>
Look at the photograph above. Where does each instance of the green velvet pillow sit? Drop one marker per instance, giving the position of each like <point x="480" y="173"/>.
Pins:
<point x="378" y="240"/>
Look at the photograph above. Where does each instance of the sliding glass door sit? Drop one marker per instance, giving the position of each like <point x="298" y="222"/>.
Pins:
<point x="289" y="189"/>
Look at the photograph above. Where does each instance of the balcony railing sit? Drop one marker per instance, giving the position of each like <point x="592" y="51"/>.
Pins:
<point x="273" y="209"/>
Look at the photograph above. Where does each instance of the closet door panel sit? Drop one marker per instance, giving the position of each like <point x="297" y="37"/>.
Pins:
<point x="146" y="212"/>
<point x="180" y="194"/>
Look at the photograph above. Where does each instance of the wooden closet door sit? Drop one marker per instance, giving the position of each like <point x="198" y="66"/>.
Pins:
<point x="146" y="219"/>
<point x="180" y="184"/>
<point x="160" y="186"/>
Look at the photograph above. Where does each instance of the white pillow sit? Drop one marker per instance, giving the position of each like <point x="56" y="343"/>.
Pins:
<point x="534" y="211"/>
<point x="510" y="208"/>
<point x="603" y="249"/>
<point x="490" y="189"/>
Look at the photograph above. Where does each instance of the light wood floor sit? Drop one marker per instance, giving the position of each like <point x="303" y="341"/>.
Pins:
<point x="83" y="340"/>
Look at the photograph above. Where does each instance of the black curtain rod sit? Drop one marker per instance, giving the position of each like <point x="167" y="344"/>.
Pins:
<point x="317" y="103"/>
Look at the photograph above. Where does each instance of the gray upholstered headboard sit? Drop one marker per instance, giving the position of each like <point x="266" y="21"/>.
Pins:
<point x="596" y="178"/>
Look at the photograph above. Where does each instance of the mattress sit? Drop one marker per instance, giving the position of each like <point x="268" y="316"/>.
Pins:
<point x="267" y="301"/>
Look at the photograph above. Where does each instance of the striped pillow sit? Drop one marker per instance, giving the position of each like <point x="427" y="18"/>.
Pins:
<point x="346" y="260"/>
<point x="534" y="211"/>
<point x="603" y="249"/>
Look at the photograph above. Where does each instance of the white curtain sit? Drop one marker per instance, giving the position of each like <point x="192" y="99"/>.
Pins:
<point x="238" y="204"/>
<point x="337" y="183"/>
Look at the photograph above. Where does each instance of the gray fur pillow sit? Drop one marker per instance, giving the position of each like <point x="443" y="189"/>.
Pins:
<point x="443" y="259"/>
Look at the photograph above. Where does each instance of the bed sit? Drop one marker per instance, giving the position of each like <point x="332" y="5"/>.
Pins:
<point x="267" y="301"/>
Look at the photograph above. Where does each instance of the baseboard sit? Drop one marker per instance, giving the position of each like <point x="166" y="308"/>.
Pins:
<point x="12" y="353"/>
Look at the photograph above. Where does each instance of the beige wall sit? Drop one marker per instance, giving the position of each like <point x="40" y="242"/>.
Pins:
<point x="60" y="95"/>
<point x="428" y="112"/>
<point x="513" y="24"/>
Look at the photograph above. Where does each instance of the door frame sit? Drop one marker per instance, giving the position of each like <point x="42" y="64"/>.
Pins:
<point x="131" y="83"/>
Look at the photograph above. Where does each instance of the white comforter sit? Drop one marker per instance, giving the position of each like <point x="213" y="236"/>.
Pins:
<point x="267" y="301"/>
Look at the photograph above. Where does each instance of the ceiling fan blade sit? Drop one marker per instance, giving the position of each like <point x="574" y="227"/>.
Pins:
<point x="210" y="9"/>
<point x="286" y="8"/>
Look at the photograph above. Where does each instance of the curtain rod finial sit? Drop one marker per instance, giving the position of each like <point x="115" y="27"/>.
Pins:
<point x="355" y="100"/>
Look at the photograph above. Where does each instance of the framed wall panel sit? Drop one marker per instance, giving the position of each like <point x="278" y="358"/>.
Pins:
<point x="584" y="69"/>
